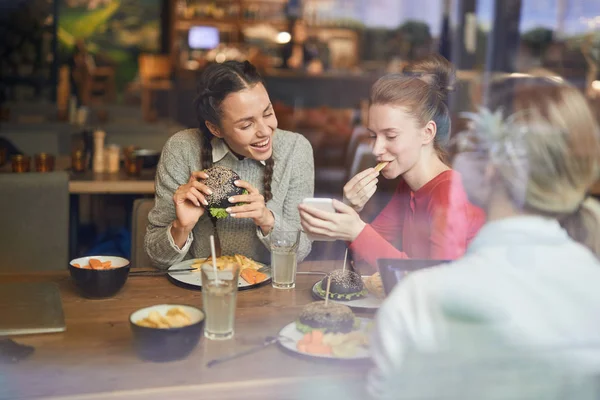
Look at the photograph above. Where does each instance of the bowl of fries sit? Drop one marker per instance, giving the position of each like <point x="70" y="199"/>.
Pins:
<point x="99" y="277"/>
<point x="166" y="332"/>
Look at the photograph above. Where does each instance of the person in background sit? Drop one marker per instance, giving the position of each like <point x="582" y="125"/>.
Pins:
<point x="80" y="63"/>
<point x="237" y="129"/>
<point x="528" y="281"/>
<point x="300" y="53"/>
<point x="429" y="215"/>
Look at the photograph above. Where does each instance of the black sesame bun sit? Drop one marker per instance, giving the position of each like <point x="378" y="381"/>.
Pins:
<point x="220" y="181"/>
<point x="346" y="285"/>
<point x="330" y="318"/>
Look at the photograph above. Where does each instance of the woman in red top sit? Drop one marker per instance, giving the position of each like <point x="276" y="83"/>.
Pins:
<point x="429" y="215"/>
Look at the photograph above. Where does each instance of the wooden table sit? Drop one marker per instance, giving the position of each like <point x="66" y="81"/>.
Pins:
<point x="94" y="358"/>
<point x="118" y="183"/>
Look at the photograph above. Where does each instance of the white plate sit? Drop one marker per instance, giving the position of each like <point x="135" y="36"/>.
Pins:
<point x="289" y="337"/>
<point x="369" y="302"/>
<point x="193" y="279"/>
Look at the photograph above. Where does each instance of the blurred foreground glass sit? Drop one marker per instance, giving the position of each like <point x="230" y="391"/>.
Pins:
<point x="219" y="299"/>
<point x="284" y="247"/>
<point x="21" y="163"/>
<point x="44" y="162"/>
<point x="78" y="161"/>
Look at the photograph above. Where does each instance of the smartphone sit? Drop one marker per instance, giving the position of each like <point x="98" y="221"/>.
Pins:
<point x="322" y="204"/>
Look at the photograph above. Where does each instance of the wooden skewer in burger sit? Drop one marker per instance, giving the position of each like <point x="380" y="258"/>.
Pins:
<point x="326" y="316"/>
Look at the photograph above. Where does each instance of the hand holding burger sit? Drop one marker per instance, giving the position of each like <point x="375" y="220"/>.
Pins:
<point x="251" y="205"/>
<point x="221" y="192"/>
<point x="189" y="200"/>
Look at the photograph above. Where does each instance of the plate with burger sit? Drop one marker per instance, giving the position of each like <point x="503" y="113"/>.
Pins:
<point x="327" y="330"/>
<point x="250" y="276"/>
<point x="351" y="289"/>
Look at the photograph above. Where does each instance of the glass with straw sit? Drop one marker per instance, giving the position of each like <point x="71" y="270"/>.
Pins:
<point x="219" y="295"/>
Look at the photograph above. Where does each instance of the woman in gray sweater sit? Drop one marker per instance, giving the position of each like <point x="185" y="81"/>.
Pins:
<point x="238" y="130"/>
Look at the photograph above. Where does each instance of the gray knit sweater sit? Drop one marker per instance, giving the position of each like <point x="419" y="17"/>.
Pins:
<point x="293" y="180"/>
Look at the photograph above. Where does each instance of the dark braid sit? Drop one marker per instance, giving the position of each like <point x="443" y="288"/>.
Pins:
<point x="206" y="149"/>
<point x="268" y="178"/>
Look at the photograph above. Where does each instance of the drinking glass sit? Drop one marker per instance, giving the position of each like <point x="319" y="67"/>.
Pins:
<point x="284" y="248"/>
<point x="219" y="298"/>
<point x="21" y="163"/>
<point x="44" y="162"/>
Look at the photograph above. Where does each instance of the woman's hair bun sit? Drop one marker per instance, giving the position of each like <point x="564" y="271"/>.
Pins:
<point x="435" y="70"/>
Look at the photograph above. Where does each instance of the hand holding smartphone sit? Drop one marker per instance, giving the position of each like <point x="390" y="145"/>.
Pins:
<point x="323" y="204"/>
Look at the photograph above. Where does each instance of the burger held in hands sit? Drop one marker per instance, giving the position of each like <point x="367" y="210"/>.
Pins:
<point x="222" y="182"/>
<point x="220" y="191"/>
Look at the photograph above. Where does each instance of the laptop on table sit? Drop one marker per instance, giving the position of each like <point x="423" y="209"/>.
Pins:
<point x="393" y="270"/>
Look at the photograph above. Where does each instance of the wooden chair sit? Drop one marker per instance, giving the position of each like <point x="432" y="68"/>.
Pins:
<point x="139" y="222"/>
<point x="101" y="88"/>
<point x="155" y="74"/>
<point x="34" y="215"/>
<point x="97" y="83"/>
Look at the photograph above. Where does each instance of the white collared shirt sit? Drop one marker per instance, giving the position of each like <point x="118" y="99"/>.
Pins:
<point x="220" y="150"/>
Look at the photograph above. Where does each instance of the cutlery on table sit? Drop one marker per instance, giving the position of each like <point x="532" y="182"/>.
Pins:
<point x="161" y="272"/>
<point x="269" y="340"/>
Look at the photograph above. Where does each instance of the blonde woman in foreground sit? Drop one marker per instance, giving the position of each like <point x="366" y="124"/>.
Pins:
<point x="529" y="280"/>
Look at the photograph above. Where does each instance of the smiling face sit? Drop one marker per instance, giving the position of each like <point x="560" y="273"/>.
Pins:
<point x="247" y="123"/>
<point x="397" y="138"/>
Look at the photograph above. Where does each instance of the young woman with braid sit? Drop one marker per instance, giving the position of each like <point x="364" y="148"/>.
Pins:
<point x="237" y="129"/>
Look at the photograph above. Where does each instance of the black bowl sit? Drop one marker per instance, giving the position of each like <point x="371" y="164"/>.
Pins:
<point x="149" y="157"/>
<point x="100" y="283"/>
<point x="166" y="344"/>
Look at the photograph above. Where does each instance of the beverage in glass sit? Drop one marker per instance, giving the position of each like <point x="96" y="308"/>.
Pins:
<point x="284" y="247"/>
<point x="219" y="300"/>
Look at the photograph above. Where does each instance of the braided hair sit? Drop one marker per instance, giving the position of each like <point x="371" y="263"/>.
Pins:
<point x="217" y="81"/>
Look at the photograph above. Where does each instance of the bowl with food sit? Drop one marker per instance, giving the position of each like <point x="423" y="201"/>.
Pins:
<point x="166" y="332"/>
<point x="99" y="277"/>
